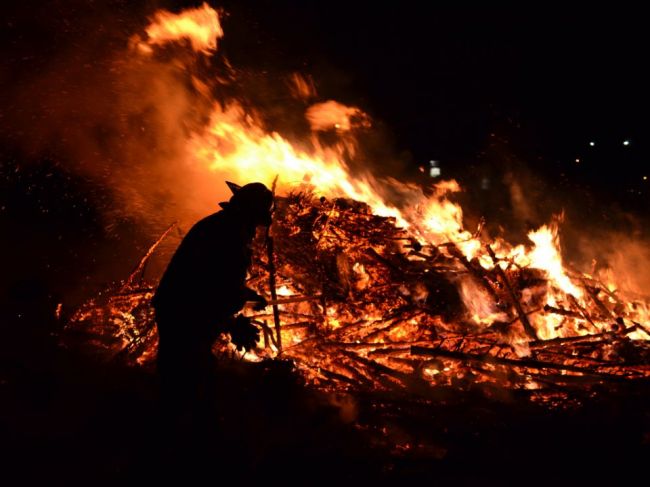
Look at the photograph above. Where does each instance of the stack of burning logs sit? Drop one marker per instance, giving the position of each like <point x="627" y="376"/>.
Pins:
<point x="358" y="304"/>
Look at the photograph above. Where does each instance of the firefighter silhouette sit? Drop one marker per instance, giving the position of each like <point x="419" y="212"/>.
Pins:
<point x="202" y="289"/>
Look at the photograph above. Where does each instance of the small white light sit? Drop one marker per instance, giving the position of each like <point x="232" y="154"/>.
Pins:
<point x="577" y="160"/>
<point x="626" y="142"/>
<point x="592" y="144"/>
<point x="434" y="168"/>
<point x="645" y="178"/>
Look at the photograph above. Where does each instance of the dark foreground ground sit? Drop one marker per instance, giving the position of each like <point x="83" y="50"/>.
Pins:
<point x="67" y="420"/>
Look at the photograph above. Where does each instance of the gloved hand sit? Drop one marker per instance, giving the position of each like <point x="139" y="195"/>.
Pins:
<point x="260" y="303"/>
<point x="243" y="334"/>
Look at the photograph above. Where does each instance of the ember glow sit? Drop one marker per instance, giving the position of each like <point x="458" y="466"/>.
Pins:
<point x="378" y="289"/>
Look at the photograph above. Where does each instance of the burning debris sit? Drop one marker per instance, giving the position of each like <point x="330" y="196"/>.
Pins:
<point x="375" y="284"/>
<point x="365" y="306"/>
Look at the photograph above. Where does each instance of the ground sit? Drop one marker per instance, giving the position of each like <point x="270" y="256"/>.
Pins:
<point x="66" y="419"/>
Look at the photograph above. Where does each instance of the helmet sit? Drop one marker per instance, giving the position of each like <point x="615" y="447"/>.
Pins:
<point x="253" y="200"/>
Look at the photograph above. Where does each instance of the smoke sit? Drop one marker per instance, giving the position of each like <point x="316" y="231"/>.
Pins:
<point x="124" y="103"/>
<point x="597" y="235"/>
<point x="116" y="116"/>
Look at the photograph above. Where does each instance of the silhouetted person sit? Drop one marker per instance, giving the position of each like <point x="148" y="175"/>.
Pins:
<point x="201" y="290"/>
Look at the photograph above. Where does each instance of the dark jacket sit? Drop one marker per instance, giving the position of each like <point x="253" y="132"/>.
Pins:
<point x="205" y="279"/>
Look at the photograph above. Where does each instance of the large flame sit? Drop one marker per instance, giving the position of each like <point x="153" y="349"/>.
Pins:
<point x="360" y="297"/>
<point x="236" y="145"/>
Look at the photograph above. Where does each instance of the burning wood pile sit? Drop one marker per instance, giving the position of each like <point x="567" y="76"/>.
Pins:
<point x="362" y="304"/>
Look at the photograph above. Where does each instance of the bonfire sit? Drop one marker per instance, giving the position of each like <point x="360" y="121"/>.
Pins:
<point x="374" y="285"/>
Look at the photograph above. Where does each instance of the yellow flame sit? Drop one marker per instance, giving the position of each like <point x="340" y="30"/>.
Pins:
<point x="546" y="256"/>
<point x="235" y="143"/>
<point x="200" y="26"/>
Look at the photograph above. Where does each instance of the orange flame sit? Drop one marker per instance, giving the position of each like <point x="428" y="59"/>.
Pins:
<point x="546" y="256"/>
<point x="235" y="145"/>
<point x="200" y="26"/>
<point x="302" y="87"/>
<point x="334" y="115"/>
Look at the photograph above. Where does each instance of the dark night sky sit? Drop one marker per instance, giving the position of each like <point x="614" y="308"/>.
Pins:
<point x="441" y="76"/>
<point x="547" y="78"/>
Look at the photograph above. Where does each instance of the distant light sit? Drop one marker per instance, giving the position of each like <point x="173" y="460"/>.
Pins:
<point x="592" y="144"/>
<point x="626" y="142"/>
<point x="577" y="160"/>
<point x="645" y="178"/>
<point x="434" y="168"/>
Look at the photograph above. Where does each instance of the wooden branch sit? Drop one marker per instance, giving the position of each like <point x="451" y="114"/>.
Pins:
<point x="583" y="312"/>
<point x="594" y="297"/>
<point x="338" y="377"/>
<point x="562" y="311"/>
<point x="274" y="296"/>
<point x="382" y="369"/>
<point x="595" y="338"/>
<point x="478" y="274"/>
<point x="642" y="328"/>
<point x="295" y="299"/>
<point x="527" y="363"/>
<point x="140" y="268"/>
<point x="528" y="328"/>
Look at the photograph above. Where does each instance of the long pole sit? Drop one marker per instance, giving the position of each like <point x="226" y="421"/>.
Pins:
<point x="274" y="295"/>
